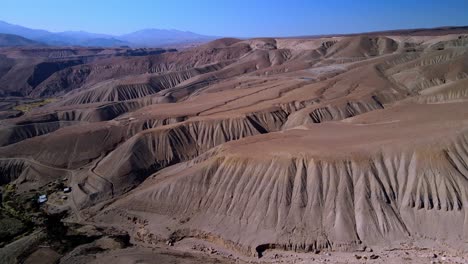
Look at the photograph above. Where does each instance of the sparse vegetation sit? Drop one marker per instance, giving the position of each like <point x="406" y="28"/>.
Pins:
<point x="9" y="227"/>
<point x="29" y="106"/>
<point x="14" y="219"/>
<point x="20" y="213"/>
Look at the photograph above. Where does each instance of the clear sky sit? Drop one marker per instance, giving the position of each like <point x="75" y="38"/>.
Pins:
<point x="240" y="18"/>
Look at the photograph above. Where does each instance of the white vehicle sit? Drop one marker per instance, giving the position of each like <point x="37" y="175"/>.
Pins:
<point x="42" y="199"/>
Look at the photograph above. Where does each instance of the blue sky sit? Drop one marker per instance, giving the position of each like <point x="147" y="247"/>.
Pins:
<point x="240" y="18"/>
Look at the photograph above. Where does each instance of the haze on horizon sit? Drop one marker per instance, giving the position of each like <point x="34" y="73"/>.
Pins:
<point x="235" y="18"/>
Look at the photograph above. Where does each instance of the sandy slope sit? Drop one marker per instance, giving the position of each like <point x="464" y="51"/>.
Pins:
<point x="262" y="145"/>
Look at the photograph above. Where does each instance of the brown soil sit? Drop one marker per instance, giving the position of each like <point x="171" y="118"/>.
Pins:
<point x="294" y="149"/>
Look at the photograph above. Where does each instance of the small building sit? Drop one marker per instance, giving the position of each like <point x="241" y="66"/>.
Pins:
<point x="42" y="199"/>
<point x="67" y="189"/>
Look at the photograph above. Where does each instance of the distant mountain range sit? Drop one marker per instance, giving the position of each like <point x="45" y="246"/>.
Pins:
<point x="142" y="38"/>
<point x="10" y="40"/>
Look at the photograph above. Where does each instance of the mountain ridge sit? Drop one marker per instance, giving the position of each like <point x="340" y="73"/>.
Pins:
<point x="11" y="40"/>
<point x="149" y="37"/>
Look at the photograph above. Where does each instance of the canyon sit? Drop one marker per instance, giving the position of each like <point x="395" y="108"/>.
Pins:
<point x="263" y="149"/>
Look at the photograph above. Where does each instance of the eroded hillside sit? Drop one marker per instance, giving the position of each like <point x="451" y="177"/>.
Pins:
<point x="334" y="143"/>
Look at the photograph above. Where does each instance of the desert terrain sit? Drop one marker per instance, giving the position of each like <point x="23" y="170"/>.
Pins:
<point x="337" y="149"/>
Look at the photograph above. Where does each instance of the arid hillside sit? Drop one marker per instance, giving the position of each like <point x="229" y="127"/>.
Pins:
<point x="266" y="149"/>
